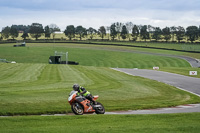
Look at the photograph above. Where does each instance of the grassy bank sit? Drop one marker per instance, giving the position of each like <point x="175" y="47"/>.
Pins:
<point x="163" y="123"/>
<point x="91" y="55"/>
<point x="32" y="86"/>
<point x="44" y="88"/>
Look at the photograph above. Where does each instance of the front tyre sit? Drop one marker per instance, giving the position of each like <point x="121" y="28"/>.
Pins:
<point x="99" y="109"/>
<point x="77" y="109"/>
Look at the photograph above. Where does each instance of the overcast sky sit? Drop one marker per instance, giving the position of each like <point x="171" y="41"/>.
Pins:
<point x="96" y="13"/>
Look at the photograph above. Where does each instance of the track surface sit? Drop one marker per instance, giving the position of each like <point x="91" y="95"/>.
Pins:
<point x="186" y="83"/>
<point x="189" y="108"/>
<point x="182" y="82"/>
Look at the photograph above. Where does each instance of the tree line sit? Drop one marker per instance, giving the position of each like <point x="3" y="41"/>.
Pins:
<point x="115" y="31"/>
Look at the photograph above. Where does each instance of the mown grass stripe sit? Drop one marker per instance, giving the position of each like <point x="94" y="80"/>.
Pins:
<point x="85" y="55"/>
<point x="117" y="90"/>
<point x="20" y="73"/>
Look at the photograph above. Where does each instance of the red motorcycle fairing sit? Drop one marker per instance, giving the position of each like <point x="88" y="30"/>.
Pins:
<point x="87" y="106"/>
<point x="85" y="103"/>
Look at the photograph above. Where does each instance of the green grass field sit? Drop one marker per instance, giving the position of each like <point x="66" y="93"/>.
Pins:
<point x="32" y="86"/>
<point x="89" y="55"/>
<point x="162" y="123"/>
<point x="43" y="88"/>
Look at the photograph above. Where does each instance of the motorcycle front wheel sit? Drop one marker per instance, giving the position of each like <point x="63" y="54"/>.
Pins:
<point x="77" y="109"/>
<point x="99" y="109"/>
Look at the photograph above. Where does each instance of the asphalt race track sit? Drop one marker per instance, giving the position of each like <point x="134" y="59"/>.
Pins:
<point x="189" y="108"/>
<point x="186" y="83"/>
<point x="182" y="82"/>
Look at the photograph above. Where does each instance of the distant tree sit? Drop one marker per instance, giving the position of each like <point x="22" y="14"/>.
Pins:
<point x="25" y="35"/>
<point x="102" y="32"/>
<point x="53" y="28"/>
<point x="118" y="27"/>
<point x="166" y="33"/>
<point x="173" y="30"/>
<point x="135" y="32"/>
<point x="129" y="27"/>
<point x="199" y="32"/>
<point x="192" y="33"/>
<point x="47" y="32"/>
<point x="139" y="28"/>
<point x="108" y="31"/>
<point x="36" y="30"/>
<point x="180" y="33"/>
<point x="26" y="29"/>
<point x="81" y="31"/>
<point x="144" y="33"/>
<point x="124" y="32"/>
<point x="150" y="30"/>
<point x="13" y="32"/>
<point x="113" y="32"/>
<point x="70" y="31"/>
<point x="21" y="28"/>
<point x="91" y="31"/>
<point x="157" y="33"/>
<point x="1" y="38"/>
<point x="5" y="32"/>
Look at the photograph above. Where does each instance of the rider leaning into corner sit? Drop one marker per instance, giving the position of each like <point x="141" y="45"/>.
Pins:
<point x="82" y="91"/>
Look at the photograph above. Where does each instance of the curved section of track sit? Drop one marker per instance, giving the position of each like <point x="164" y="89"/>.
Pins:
<point x="185" y="83"/>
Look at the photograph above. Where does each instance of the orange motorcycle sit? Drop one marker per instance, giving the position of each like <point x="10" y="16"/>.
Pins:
<point x="81" y="105"/>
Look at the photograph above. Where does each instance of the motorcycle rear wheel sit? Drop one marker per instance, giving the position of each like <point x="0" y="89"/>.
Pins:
<point x="99" y="110"/>
<point x="77" y="108"/>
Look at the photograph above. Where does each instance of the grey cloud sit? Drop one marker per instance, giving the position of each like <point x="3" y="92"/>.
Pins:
<point x="176" y="5"/>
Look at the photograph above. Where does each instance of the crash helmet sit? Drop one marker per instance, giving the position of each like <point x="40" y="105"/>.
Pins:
<point x="76" y="87"/>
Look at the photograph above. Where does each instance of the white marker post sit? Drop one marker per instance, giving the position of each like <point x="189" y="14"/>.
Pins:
<point x="66" y="57"/>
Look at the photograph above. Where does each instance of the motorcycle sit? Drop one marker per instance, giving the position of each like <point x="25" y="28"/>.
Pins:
<point x="80" y="105"/>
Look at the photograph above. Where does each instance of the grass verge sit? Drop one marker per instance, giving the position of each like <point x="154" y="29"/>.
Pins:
<point x="159" y="123"/>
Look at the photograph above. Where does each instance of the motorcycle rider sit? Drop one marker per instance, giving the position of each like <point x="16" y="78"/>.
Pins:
<point x="82" y="91"/>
